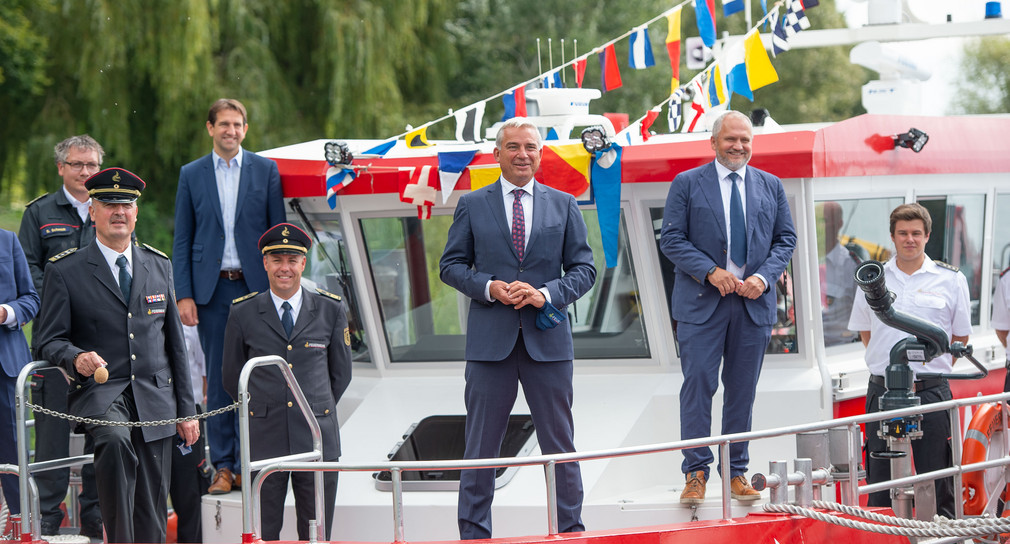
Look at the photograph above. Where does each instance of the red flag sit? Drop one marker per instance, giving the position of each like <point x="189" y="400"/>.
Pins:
<point x="611" y="76"/>
<point x="647" y="122"/>
<point x="420" y="189"/>
<point x="520" y="101"/>
<point x="580" y="71"/>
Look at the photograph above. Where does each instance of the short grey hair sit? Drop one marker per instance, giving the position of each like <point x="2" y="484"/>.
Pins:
<point x="717" y="125"/>
<point x="518" y="122"/>
<point x="83" y="141"/>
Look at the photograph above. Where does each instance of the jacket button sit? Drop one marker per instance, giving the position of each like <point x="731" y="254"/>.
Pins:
<point x="129" y="315"/>
<point x="251" y="413"/>
<point x="131" y="336"/>
<point x="289" y="347"/>
<point x="326" y="411"/>
<point x="290" y="404"/>
<point x="290" y="365"/>
<point x="133" y="377"/>
<point x="133" y="357"/>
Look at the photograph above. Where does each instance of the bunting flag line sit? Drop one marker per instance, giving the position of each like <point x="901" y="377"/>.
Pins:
<point x="451" y="165"/>
<point x="705" y="17"/>
<point x="640" y="50"/>
<point x="673" y="47"/>
<point x="730" y="7"/>
<point x="780" y="41"/>
<point x="337" y="179"/>
<point x="736" y="79"/>
<point x="674" y="111"/>
<point x="606" y="174"/>
<point x="716" y="90"/>
<point x="515" y="103"/>
<point x="650" y="117"/>
<point x="610" y="74"/>
<point x="483" y="175"/>
<point x="698" y="105"/>
<point x="807" y="4"/>
<point x="795" y="20"/>
<point x="468" y="123"/>
<point x="381" y="149"/>
<point x="552" y="80"/>
<point x="580" y="71"/>
<point x="565" y="167"/>
<point x="417" y="138"/>
<point x="418" y="190"/>
<point x="760" y="71"/>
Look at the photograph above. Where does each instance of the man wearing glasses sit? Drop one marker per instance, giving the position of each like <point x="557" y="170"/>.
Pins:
<point x="52" y="224"/>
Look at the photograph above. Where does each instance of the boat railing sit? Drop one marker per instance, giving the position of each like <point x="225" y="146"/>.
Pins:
<point x="851" y="490"/>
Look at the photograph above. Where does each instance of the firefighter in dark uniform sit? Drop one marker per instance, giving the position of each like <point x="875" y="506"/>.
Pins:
<point x="52" y="224"/>
<point x="309" y="330"/>
<point x="112" y="305"/>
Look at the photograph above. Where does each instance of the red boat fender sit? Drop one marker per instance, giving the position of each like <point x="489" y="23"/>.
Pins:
<point x="977" y="438"/>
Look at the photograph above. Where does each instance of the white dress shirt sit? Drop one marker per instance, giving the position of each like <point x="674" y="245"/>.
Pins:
<point x="295" y="301"/>
<point x="228" y="174"/>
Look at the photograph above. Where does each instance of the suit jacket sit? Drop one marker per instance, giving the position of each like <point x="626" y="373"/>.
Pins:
<point x="199" y="225"/>
<point x="694" y="239"/>
<point x="140" y="339"/>
<point x="479" y="248"/>
<point x="16" y="289"/>
<point x="319" y="354"/>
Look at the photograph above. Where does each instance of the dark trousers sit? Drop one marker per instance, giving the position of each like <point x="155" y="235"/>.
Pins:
<point x="52" y="441"/>
<point x="730" y="336"/>
<point x="222" y="430"/>
<point x="491" y="390"/>
<point x="190" y="479"/>
<point x="8" y="442"/>
<point x="134" y="477"/>
<point x="275" y="489"/>
<point x="929" y="453"/>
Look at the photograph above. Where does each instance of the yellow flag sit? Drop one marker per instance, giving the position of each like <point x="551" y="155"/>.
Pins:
<point x="760" y="71"/>
<point x="417" y="139"/>
<point x="673" y="47"/>
<point x="482" y="176"/>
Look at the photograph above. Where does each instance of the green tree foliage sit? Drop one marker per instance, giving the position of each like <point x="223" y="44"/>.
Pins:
<point x="984" y="82"/>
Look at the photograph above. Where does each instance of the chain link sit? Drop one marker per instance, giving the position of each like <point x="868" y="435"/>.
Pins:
<point x="157" y="423"/>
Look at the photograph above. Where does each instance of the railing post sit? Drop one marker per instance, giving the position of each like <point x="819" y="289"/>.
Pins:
<point x="725" y="475"/>
<point x="855" y="448"/>
<point x="956" y="438"/>
<point x="396" y="477"/>
<point x="552" y="497"/>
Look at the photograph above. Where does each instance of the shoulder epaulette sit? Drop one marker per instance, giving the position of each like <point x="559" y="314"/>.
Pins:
<point x="326" y="293"/>
<point x="36" y="199"/>
<point x="244" y="298"/>
<point x="155" y="250"/>
<point x="1005" y="270"/>
<point x="950" y="267"/>
<point x="59" y="256"/>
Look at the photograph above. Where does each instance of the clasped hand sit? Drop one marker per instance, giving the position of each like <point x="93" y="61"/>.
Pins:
<point x="727" y="283"/>
<point x="517" y="293"/>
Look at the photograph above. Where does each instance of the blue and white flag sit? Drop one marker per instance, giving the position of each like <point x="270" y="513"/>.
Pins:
<point x="795" y="20"/>
<point x="674" y="113"/>
<point x="450" y="167"/>
<point x="337" y="179"/>
<point x="640" y="52"/>
<point x="552" y="80"/>
<point x="468" y="123"/>
<point x="729" y="7"/>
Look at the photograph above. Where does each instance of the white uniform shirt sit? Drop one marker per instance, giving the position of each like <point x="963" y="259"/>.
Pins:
<point x="933" y="293"/>
<point x="1001" y="306"/>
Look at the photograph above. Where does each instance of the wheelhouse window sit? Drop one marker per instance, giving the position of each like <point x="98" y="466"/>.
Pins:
<point x="1000" y="239"/>
<point x="425" y="320"/>
<point x="956" y="238"/>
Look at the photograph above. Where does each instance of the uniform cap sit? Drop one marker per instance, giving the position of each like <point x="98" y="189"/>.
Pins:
<point x="285" y="238"/>
<point x="115" y="185"/>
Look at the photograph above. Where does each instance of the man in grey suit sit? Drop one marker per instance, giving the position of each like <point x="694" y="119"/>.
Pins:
<point x="309" y="329"/>
<point x="729" y="252"/>
<point x="112" y="305"/>
<point x="518" y="250"/>
<point x="225" y="200"/>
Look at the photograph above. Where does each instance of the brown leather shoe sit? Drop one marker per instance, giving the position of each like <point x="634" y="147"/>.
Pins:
<point x="694" y="490"/>
<point x="222" y="482"/>
<point x="741" y="490"/>
<point x="237" y="484"/>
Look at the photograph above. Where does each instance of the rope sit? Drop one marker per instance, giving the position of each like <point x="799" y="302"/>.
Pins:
<point x="157" y="423"/>
<point x="940" y="527"/>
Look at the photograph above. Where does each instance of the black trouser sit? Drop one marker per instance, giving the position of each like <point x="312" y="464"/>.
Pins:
<point x="190" y="479"/>
<point x="52" y="441"/>
<point x="929" y="453"/>
<point x="275" y="490"/>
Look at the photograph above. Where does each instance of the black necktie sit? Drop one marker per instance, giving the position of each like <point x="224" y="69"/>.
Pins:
<point x="124" y="277"/>
<point x="286" y="320"/>
<point x="737" y="224"/>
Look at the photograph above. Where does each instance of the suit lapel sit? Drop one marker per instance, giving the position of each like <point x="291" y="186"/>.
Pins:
<point x="210" y="189"/>
<point x="496" y="203"/>
<point x="753" y="200"/>
<point x="244" y="177"/>
<point x="140" y="275"/>
<point x="269" y="314"/>
<point x="710" y="182"/>
<point x="539" y="209"/>
<point x="102" y="272"/>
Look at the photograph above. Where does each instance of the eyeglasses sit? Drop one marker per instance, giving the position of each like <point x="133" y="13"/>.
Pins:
<point x="77" y="166"/>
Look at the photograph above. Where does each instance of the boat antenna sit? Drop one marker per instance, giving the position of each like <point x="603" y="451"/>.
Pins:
<point x="564" y="80"/>
<point x="540" y="66"/>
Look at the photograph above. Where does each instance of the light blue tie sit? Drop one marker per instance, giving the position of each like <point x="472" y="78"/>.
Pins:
<point x="737" y="224"/>
<point x="286" y="320"/>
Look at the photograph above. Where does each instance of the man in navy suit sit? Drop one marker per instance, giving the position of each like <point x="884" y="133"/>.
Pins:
<point x="729" y="251"/>
<point x="224" y="202"/>
<point x="518" y="250"/>
<point x="20" y="304"/>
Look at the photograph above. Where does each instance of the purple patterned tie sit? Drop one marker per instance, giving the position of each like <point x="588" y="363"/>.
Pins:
<point x="518" y="223"/>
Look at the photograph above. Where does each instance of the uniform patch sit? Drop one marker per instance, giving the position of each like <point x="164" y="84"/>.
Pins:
<point x="151" y="299"/>
<point x="59" y="256"/>
<point x="244" y="298"/>
<point x="950" y="267"/>
<point x="347" y="336"/>
<point x="56" y="229"/>
<point x="326" y="293"/>
<point x="155" y="311"/>
<point x="156" y="251"/>
<point x="315" y="345"/>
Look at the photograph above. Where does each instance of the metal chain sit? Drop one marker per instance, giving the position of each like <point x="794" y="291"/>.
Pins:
<point x="157" y="423"/>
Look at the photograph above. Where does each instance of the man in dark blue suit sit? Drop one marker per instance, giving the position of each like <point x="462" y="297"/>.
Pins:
<point x="20" y="305"/>
<point x="729" y="251"/>
<point x="518" y="250"/>
<point x="224" y="202"/>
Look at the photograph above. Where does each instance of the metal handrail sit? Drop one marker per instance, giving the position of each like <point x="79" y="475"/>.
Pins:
<point x="250" y="500"/>
<point x="723" y="441"/>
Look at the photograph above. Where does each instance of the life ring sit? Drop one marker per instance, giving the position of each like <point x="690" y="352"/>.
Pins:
<point x="976" y="448"/>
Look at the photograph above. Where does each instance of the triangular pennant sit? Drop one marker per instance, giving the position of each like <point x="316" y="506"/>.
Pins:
<point x="450" y="167"/>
